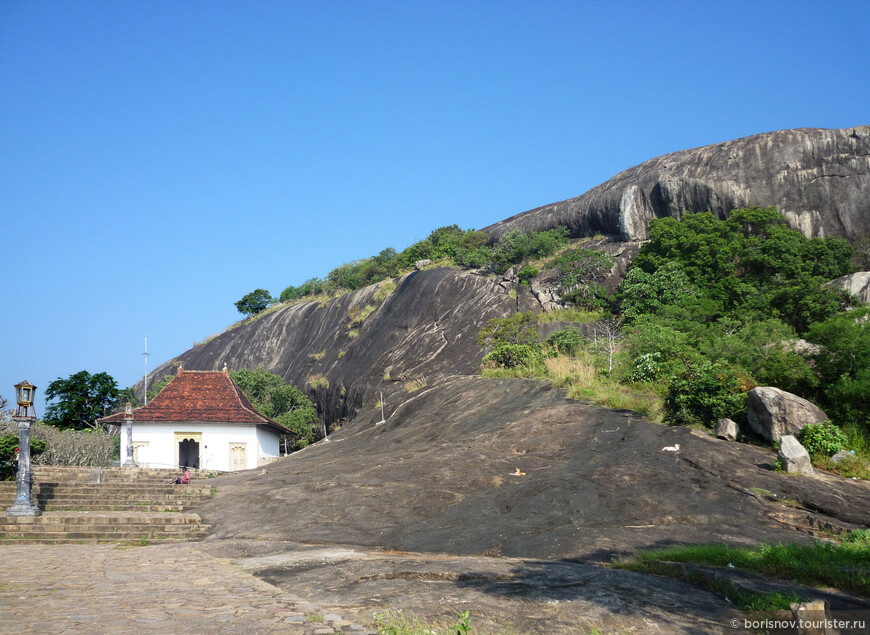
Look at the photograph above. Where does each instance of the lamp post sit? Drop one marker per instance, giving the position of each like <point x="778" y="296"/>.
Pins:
<point x="24" y="417"/>
<point x="128" y="418"/>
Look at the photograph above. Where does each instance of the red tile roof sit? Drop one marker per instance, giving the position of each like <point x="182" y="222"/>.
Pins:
<point x="199" y="395"/>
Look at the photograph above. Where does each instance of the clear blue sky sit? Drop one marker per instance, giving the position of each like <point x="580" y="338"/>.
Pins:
<point x="158" y="160"/>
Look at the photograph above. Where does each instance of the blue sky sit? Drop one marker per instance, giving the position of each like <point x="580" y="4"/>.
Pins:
<point x="158" y="160"/>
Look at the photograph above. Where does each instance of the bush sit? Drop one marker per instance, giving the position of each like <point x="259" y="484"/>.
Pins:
<point x="74" y="447"/>
<point x="513" y="356"/>
<point x="567" y="341"/>
<point x="527" y="273"/>
<point x="8" y="447"/>
<point x="822" y="439"/>
<point x="706" y="392"/>
<point x="519" y="328"/>
<point x="581" y="272"/>
<point x="647" y="367"/>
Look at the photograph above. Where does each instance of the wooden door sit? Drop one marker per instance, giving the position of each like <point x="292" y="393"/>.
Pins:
<point x="238" y="456"/>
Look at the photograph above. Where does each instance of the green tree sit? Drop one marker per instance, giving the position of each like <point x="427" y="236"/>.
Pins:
<point x="78" y="401"/>
<point x="751" y="265"/>
<point x="520" y="328"/>
<point x="280" y="401"/>
<point x="581" y="274"/>
<point x="254" y="302"/>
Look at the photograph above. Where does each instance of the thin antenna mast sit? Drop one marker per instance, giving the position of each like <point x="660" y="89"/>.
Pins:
<point x="146" y="369"/>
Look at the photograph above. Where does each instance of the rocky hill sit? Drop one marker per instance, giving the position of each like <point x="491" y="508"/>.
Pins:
<point x="819" y="179"/>
<point x="437" y="475"/>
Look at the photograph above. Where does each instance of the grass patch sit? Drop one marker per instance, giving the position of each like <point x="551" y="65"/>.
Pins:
<point x="358" y="314"/>
<point x="845" y="567"/>
<point x="853" y="467"/>
<point x="414" y="385"/>
<point x="571" y="314"/>
<point x="341" y="354"/>
<point x="512" y="293"/>
<point x="314" y="617"/>
<point x="318" y="382"/>
<point x="397" y="622"/>
<point x="353" y="334"/>
<point x="581" y="377"/>
<point x="317" y="356"/>
<point x="385" y="290"/>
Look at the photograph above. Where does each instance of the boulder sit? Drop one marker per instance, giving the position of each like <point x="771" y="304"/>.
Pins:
<point x="858" y="284"/>
<point x="727" y="429"/>
<point x="794" y="457"/>
<point x="422" y="263"/>
<point x="772" y="413"/>
<point x="841" y="456"/>
<point x="811" y="618"/>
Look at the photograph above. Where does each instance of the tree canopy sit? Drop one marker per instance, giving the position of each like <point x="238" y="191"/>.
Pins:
<point x="280" y="401"/>
<point x="254" y="302"/>
<point x="78" y="401"/>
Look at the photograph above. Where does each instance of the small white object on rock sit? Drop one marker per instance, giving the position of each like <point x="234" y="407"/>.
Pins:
<point x="794" y="457"/>
<point x="727" y="429"/>
<point x="672" y="448"/>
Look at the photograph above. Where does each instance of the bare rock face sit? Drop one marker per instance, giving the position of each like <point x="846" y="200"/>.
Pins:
<point x="794" y="457"/>
<point x="818" y="179"/>
<point x="773" y="413"/>
<point x="424" y="330"/>
<point x="858" y="284"/>
<point x="727" y="429"/>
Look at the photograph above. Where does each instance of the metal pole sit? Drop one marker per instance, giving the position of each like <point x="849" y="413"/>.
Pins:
<point x="24" y="505"/>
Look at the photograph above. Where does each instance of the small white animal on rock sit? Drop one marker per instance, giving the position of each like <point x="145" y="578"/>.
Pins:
<point x="672" y="448"/>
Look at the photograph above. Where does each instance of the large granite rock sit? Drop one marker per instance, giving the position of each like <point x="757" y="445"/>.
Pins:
<point x="794" y="457"/>
<point x="858" y="284"/>
<point x="773" y="413"/>
<point x="819" y="179"/>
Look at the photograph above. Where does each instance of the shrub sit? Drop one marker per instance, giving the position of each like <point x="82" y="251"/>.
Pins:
<point x="581" y="272"/>
<point x="647" y="367"/>
<point x="513" y="356"/>
<point x="74" y="447"/>
<point x="706" y="392"/>
<point x="527" y="273"/>
<point x="822" y="439"/>
<point x="8" y="446"/>
<point x="520" y="328"/>
<point x="566" y="341"/>
<point x="318" y="381"/>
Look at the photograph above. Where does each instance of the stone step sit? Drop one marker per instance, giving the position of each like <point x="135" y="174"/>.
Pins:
<point x="106" y="518"/>
<point x="72" y="526"/>
<point x="78" y="541"/>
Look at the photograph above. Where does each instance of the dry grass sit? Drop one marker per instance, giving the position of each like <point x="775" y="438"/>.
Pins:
<point x="385" y="289"/>
<point x="415" y="384"/>
<point x="318" y="382"/>
<point x="358" y="314"/>
<point x="317" y="356"/>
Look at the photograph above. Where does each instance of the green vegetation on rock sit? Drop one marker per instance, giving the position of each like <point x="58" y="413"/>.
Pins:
<point x="280" y="401"/>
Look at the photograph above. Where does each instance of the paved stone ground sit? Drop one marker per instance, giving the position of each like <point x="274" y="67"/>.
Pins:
<point x="171" y="588"/>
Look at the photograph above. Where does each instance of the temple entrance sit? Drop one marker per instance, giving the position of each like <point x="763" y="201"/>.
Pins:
<point x="187" y="445"/>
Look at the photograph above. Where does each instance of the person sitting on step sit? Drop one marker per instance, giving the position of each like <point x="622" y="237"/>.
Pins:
<point x="184" y="479"/>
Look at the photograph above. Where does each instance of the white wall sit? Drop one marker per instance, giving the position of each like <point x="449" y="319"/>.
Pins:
<point x="262" y="445"/>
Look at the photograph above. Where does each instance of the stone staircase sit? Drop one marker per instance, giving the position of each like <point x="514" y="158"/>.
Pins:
<point x="89" y="504"/>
